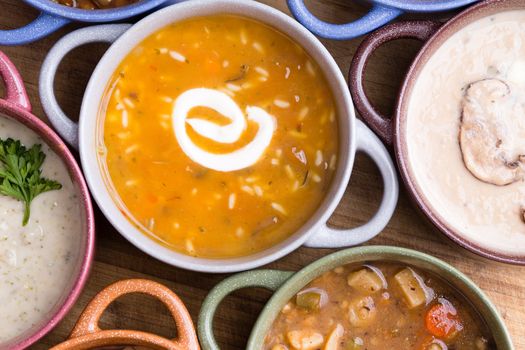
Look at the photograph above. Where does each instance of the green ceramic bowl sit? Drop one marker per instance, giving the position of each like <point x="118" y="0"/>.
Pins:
<point x="286" y="284"/>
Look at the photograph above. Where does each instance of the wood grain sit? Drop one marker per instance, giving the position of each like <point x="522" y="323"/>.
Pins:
<point x="117" y="259"/>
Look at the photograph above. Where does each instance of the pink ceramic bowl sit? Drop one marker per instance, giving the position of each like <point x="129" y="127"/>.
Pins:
<point x="392" y="130"/>
<point x="15" y="105"/>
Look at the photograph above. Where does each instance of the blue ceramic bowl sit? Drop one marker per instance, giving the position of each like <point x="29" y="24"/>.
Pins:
<point x="54" y="16"/>
<point x="382" y="12"/>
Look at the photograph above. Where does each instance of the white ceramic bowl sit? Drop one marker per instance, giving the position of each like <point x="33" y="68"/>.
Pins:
<point x="353" y="134"/>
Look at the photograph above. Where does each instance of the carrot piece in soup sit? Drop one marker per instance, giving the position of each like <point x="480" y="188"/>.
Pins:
<point x="442" y="320"/>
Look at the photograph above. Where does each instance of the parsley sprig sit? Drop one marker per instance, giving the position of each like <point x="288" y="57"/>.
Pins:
<point x="20" y="173"/>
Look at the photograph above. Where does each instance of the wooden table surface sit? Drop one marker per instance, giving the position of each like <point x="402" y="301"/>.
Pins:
<point x="117" y="259"/>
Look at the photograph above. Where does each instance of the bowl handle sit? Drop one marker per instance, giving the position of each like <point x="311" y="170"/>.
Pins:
<point x="328" y="237"/>
<point x="269" y="279"/>
<point x="14" y="84"/>
<point x="381" y="124"/>
<point x="67" y="128"/>
<point x="41" y="27"/>
<point x="377" y="17"/>
<point x="88" y="322"/>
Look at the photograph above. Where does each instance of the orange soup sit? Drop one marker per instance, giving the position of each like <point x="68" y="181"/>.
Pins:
<point x="219" y="136"/>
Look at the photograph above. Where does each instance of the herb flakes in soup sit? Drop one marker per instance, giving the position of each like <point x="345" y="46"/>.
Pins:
<point x="219" y="136"/>
<point x="39" y="259"/>
<point x="378" y="306"/>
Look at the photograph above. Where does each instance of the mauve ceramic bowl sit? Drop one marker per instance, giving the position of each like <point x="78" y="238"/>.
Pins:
<point x="286" y="284"/>
<point x="88" y="335"/>
<point x="15" y="105"/>
<point x="392" y="130"/>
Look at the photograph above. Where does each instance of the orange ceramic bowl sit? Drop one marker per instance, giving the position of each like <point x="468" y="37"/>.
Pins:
<point x="88" y="335"/>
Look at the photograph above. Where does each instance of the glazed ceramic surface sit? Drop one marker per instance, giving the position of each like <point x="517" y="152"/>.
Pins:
<point x="88" y="335"/>
<point x="287" y="284"/>
<point x="16" y="106"/>
<point x="381" y="13"/>
<point x="354" y="135"/>
<point x="392" y="130"/>
<point x="54" y="16"/>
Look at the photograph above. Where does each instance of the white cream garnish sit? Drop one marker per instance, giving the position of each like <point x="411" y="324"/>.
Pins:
<point x="224" y="104"/>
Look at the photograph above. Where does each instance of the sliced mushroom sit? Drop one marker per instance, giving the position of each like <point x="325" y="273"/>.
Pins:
<point x="486" y="130"/>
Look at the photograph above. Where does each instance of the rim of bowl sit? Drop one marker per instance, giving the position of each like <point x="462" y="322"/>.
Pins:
<point x="106" y="15"/>
<point x="191" y="9"/>
<point x="388" y="253"/>
<point x="424" y="6"/>
<point x="458" y="22"/>
<point x="106" y="338"/>
<point x="32" y="122"/>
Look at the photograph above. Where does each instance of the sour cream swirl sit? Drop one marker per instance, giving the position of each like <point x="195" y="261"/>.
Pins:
<point x="230" y="133"/>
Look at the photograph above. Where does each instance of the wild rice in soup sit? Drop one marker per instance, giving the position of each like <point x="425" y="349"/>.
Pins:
<point x="219" y="135"/>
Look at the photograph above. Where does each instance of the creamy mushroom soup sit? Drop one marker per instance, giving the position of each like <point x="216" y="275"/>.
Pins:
<point x="219" y="135"/>
<point x="37" y="259"/>
<point x="466" y="132"/>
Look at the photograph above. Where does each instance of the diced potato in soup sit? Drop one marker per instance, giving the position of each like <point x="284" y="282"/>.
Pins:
<point x="414" y="290"/>
<point x="362" y="311"/>
<point x="378" y="306"/>
<point x="305" y="339"/>
<point x="332" y="343"/>
<point x="368" y="280"/>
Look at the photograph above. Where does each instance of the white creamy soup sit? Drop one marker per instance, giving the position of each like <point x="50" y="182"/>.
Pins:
<point x="466" y="132"/>
<point x="37" y="260"/>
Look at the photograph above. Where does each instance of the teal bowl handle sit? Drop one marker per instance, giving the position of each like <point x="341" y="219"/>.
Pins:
<point x="269" y="279"/>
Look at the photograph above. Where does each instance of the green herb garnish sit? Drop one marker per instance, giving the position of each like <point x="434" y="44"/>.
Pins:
<point x="20" y="173"/>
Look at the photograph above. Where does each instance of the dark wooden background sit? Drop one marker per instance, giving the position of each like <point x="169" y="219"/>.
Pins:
<point x="117" y="259"/>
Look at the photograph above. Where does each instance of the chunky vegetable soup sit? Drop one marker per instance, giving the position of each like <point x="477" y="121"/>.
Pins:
<point x="95" y="4"/>
<point x="219" y="136"/>
<point x="378" y="306"/>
